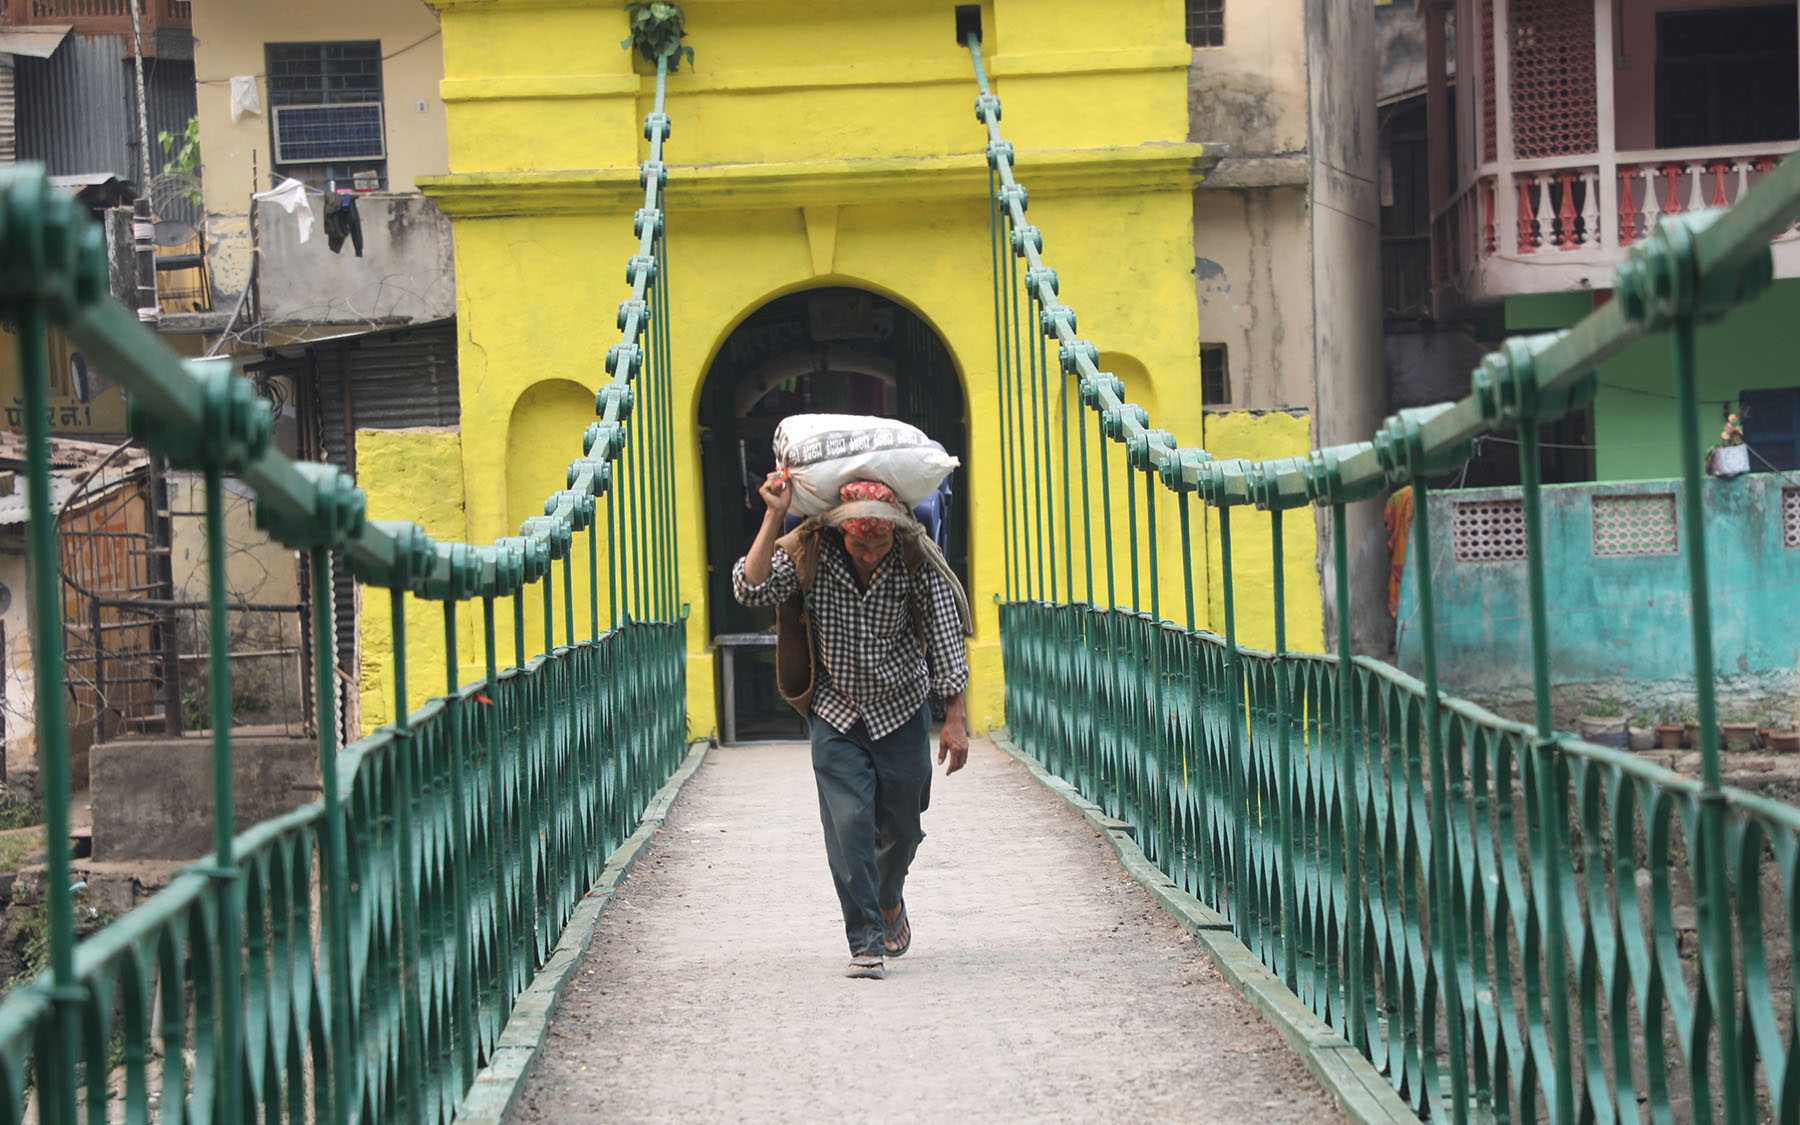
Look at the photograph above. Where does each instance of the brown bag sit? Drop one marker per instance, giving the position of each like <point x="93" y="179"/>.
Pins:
<point x="796" y="648"/>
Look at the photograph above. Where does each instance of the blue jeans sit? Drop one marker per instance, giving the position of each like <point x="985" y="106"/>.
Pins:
<point x="871" y="793"/>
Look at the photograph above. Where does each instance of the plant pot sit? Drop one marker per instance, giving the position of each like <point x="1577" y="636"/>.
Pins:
<point x="1640" y="738"/>
<point x="1690" y="736"/>
<point x="1784" y="742"/>
<point x="1730" y="461"/>
<point x="1602" y="730"/>
<point x="1669" y="737"/>
<point x="1738" y="736"/>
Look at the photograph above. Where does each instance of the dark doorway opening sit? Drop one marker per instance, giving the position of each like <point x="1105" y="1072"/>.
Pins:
<point x="821" y="351"/>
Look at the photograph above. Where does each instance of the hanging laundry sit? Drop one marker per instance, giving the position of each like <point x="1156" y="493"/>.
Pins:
<point x="244" y="98"/>
<point x="290" y="196"/>
<point x="341" y="220"/>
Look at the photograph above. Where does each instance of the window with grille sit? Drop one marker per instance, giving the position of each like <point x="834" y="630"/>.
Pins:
<point x="1790" y="516"/>
<point x="1489" y="530"/>
<point x="1206" y="23"/>
<point x="1215" y="376"/>
<point x="1635" y="525"/>
<point x="325" y="113"/>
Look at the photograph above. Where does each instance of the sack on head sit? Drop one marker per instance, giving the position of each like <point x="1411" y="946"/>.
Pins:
<point x="823" y="452"/>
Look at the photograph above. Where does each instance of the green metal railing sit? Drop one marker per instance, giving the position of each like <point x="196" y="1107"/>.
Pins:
<point x="1495" y="913"/>
<point x="357" y="958"/>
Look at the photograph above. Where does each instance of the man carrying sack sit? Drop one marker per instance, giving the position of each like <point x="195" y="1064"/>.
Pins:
<point x="881" y="619"/>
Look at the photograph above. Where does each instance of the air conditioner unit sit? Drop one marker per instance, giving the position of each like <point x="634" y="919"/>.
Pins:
<point x="329" y="134"/>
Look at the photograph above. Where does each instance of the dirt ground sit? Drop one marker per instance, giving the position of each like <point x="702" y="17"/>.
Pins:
<point x="1043" y="984"/>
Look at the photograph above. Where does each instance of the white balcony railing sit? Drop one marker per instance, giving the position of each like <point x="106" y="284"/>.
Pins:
<point x="1581" y="211"/>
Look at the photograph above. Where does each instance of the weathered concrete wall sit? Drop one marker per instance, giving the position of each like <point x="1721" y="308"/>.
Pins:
<point x="152" y="798"/>
<point x="406" y="270"/>
<point x="1251" y="92"/>
<point x="1346" y="297"/>
<point x="1620" y="623"/>
<point x="1252" y="255"/>
<point x="229" y="39"/>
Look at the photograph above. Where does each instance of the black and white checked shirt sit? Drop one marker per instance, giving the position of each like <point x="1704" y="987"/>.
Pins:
<point x="871" y="666"/>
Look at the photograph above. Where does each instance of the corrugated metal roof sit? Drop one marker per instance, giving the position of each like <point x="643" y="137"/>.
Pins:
<point x="76" y="111"/>
<point x="72" y="108"/>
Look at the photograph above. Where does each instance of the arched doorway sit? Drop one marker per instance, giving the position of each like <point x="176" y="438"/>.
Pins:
<point x="820" y="351"/>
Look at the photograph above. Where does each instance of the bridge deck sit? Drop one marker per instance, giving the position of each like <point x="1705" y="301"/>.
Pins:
<point x="1042" y="983"/>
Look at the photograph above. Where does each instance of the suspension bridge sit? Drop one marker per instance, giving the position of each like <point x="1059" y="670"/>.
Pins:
<point x="1482" y="912"/>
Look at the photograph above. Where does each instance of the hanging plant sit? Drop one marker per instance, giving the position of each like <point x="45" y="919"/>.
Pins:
<point x="656" y="31"/>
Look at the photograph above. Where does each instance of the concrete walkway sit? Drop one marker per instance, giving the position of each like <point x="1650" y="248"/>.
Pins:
<point x="1043" y="983"/>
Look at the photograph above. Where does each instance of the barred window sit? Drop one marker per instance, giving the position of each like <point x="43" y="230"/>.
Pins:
<point x="1215" y="376"/>
<point x="1206" y="23"/>
<point x="326" y="120"/>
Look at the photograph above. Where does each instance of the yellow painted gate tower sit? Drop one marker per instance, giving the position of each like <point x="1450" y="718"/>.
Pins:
<point x="828" y="249"/>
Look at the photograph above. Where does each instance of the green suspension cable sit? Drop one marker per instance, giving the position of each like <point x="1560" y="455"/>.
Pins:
<point x="1106" y="530"/>
<point x="1187" y="558"/>
<point x="1087" y="507"/>
<point x="1150" y="527"/>
<point x="1062" y="385"/>
<point x="1131" y="536"/>
<point x="464" y="1035"/>
<point x="1040" y="469"/>
<point x="1006" y="524"/>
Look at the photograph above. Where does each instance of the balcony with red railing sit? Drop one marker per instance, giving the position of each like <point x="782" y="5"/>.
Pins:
<point x="1535" y="226"/>
<point x="1589" y="120"/>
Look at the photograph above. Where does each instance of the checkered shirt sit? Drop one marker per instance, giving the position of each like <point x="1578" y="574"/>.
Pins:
<point x="871" y="667"/>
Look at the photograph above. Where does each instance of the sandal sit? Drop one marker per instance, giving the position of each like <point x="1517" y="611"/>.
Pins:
<point x="899" y="933"/>
<point x="868" y="966"/>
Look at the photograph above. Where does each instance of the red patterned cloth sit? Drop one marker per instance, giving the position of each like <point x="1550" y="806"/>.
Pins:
<point x="870" y="527"/>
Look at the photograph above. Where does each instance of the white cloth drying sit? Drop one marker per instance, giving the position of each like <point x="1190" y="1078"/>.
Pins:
<point x="244" y="98"/>
<point x="290" y="196"/>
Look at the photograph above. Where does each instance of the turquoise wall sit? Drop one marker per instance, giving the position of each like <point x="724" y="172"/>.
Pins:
<point x="1614" y="618"/>
<point x="1756" y="347"/>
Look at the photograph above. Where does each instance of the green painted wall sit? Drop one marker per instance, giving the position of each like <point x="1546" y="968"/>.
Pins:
<point x="1616" y="618"/>
<point x="1634" y="413"/>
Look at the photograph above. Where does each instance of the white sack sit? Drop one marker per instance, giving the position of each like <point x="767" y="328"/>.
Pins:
<point x="824" y="452"/>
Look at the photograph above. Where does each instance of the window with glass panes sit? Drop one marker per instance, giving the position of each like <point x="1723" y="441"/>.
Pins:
<point x="326" y="113"/>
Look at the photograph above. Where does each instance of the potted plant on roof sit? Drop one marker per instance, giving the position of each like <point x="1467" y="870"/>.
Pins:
<point x="1737" y="732"/>
<point x="1602" y="721"/>
<point x="1640" y="734"/>
<point x="1731" y="457"/>
<point x="1671" y="724"/>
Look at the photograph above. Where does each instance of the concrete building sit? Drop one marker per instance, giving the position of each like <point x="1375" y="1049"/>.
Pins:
<point x="343" y="98"/>
<point x="1582" y="124"/>
<point x="1577" y="126"/>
